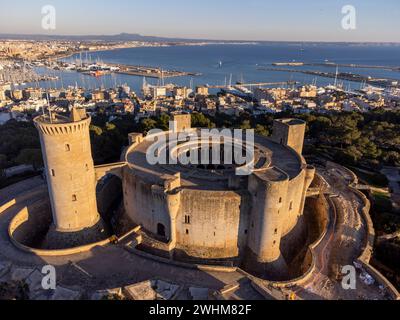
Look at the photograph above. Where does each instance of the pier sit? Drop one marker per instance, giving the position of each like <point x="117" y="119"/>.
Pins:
<point x="257" y="84"/>
<point x="335" y="65"/>
<point x="342" y="76"/>
<point x="98" y="69"/>
<point x="351" y="65"/>
<point x="150" y="72"/>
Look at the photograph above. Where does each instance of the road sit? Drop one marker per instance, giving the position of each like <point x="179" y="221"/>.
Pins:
<point x="342" y="245"/>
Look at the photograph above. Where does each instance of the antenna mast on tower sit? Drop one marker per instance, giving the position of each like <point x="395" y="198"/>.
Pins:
<point x="337" y="73"/>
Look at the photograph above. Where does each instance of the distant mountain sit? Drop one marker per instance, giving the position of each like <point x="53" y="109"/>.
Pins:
<point x="108" y="38"/>
<point x="139" y="37"/>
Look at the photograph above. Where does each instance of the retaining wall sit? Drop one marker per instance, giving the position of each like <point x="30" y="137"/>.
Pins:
<point x="34" y="219"/>
<point x="367" y="251"/>
<point x="266" y="288"/>
<point x="365" y="257"/>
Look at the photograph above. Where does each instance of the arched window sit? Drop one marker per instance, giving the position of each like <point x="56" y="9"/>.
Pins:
<point x="67" y="147"/>
<point x="74" y="197"/>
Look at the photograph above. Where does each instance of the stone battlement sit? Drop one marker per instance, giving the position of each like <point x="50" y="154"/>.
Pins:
<point x="61" y="128"/>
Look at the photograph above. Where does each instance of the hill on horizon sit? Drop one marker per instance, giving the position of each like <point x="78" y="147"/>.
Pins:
<point x="116" y="37"/>
<point x="138" y="37"/>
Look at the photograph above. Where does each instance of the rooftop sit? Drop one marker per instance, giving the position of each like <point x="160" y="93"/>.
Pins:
<point x="271" y="161"/>
<point x="76" y="115"/>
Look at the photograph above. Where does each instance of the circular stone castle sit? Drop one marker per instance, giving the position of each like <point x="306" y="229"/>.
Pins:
<point x="209" y="213"/>
<point x="190" y="213"/>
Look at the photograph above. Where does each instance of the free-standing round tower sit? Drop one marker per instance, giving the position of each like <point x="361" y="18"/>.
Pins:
<point x="69" y="169"/>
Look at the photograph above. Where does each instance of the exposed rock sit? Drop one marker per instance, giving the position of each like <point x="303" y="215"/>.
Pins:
<point x="4" y="269"/>
<point x="34" y="281"/>
<point x="165" y="290"/>
<point x="20" y="274"/>
<point x="62" y="293"/>
<point x="141" y="291"/>
<point x="199" y="293"/>
<point x="103" y="294"/>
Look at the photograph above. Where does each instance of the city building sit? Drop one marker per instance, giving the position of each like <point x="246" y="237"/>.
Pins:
<point x="202" y="90"/>
<point x="17" y="94"/>
<point x="158" y="92"/>
<point x="181" y="92"/>
<point x="308" y="92"/>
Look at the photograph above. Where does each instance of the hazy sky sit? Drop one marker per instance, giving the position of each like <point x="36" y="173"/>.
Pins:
<point x="308" y="20"/>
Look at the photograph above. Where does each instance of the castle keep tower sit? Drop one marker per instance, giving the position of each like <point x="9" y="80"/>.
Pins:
<point x="289" y="132"/>
<point x="70" y="176"/>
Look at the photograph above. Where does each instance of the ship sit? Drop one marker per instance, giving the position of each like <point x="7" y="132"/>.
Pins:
<point x="239" y="91"/>
<point x="97" y="73"/>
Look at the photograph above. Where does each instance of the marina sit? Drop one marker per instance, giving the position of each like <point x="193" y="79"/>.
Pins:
<point x="12" y="73"/>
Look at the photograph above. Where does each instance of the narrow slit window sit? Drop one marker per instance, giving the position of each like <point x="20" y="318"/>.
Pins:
<point x="53" y="173"/>
<point x="67" y="147"/>
<point x="74" y="197"/>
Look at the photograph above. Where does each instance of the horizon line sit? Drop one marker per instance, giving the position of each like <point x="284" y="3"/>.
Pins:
<point x="175" y="39"/>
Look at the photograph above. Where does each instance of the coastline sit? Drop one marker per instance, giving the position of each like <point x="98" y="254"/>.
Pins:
<point x="161" y="45"/>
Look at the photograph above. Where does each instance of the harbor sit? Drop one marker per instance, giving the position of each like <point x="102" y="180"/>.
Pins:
<point x="99" y="68"/>
<point x="212" y="66"/>
<point x="347" y="76"/>
<point x="150" y="72"/>
<point x="16" y="73"/>
<point x="334" y="65"/>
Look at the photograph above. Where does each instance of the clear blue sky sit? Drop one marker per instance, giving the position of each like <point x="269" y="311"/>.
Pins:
<point x="306" y="20"/>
